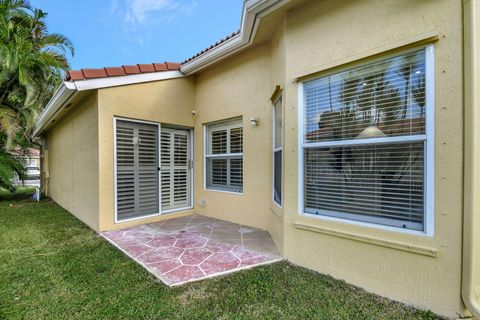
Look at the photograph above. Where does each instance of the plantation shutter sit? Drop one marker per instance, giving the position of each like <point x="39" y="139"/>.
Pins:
<point x="236" y="163"/>
<point x="365" y="140"/>
<point x="137" y="169"/>
<point x="125" y="170"/>
<point x="165" y="172"/>
<point x="224" y="156"/>
<point x="175" y="168"/>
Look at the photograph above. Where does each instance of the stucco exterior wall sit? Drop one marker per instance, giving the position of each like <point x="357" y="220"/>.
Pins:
<point x="71" y="155"/>
<point x="325" y="34"/>
<point x="166" y="102"/>
<point x="277" y="74"/>
<point x="242" y="87"/>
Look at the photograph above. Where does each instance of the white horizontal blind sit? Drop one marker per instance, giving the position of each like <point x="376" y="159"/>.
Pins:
<point x="364" y="142"/>
<point x="137" y="169"/>
<point x="224" y="156"/>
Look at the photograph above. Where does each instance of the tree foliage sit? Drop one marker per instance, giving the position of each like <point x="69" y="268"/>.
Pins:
<point x="32" y="64"/>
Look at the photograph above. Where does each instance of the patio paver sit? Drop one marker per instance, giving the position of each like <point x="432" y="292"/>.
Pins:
<point x="194" y="247"/>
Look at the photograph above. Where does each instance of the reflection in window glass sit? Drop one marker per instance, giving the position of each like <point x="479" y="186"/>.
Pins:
<point x="380" y="99"/>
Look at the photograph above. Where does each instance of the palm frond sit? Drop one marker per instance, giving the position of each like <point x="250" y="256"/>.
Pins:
<point x="8" y="126"/>
<point x="58" y="41"/>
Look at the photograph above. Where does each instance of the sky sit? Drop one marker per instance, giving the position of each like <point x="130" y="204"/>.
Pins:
<point x="121" y="32"/>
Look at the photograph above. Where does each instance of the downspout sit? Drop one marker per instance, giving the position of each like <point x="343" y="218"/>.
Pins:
<point x="471" y="222"/>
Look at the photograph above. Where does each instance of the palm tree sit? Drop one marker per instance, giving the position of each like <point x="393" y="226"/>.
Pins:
<point x="32" y="64"/>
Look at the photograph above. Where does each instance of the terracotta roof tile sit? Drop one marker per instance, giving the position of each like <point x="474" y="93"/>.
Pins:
<point x="134" y="69"/>
<point x="146" y="67"/>
<point x="75" y="75"/>
<point x="160" y="66"/>
<point x="233" y="34"/>
<point x="83" y="74"/>
<point x="173" y="65"/>
<point x="94" y="73"/>
<point x="115" y="71"/>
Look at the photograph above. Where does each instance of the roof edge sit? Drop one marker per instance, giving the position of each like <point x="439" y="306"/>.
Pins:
<point x="124" y="70"/>
<point x="253" y="11"/>
<point x="68" y="89"/>
<point x="64" y="93"/>
<point x="99" y="83"/>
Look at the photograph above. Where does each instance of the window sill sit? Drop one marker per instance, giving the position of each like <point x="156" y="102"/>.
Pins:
<point x="425" y="251"/>
<point x="225" y="191"/>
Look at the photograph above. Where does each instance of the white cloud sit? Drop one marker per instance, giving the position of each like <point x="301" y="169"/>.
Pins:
<point x="144" y="13"/>
<point x="140" y="18"/>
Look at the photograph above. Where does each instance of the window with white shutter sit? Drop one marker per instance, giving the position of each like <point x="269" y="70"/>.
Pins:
<point x="367" y="142"/>
<point x="224" y="156"/>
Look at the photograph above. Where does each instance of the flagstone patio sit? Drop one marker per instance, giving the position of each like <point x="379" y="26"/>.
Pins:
<point x="194" y="247"/>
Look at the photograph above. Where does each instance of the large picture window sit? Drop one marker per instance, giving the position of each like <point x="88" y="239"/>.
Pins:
<point x="224" y="156"/>
<point x="366" y="143"/>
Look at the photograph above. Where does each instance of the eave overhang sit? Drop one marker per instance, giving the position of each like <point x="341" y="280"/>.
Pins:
<point x="69" y="89"/>
<point x="253" y="11"/>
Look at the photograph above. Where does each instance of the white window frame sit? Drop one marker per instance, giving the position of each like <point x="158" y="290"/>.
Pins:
<point x="274" y="122"/>
<point x="160" y="212"/>
<point x="228" y="124"/>
<point x="428" y="138"/>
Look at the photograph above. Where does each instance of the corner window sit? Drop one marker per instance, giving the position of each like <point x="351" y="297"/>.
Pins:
<point x="366" y="147"/>
<point x="277" y="151"/>
<point x="224" y="156"/>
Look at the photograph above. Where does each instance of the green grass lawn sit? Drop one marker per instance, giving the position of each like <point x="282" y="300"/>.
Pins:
<point x="54" y="267"/>
<point x="20" y="192"/>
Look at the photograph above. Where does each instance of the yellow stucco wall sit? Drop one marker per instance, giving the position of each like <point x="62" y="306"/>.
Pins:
<point x="166" y="102"/>
<point x="324" y="34"/>
<point x="238" y="87"/>
<point x="72" y="161"/>
<point x="277" y="73"/>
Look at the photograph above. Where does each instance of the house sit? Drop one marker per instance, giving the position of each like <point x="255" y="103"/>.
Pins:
<point x="346" y="129"/>
<point x="31" y="161"/>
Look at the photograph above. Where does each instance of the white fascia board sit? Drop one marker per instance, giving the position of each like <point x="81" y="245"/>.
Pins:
<point x="99" y="83"/>
<point x="253" y="10"/>
<point x="68" y="90"/>
<point x="59" y="99"/>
